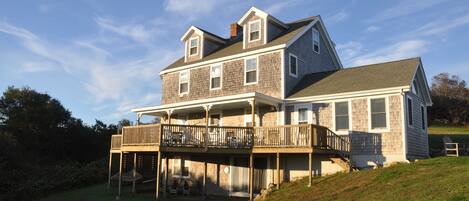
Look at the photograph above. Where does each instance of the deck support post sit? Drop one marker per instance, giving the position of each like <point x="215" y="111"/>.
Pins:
<point x="310" y="165"/>
<point x="110" y="168"/>
<point x="120" y="176"/>
<point x="158" y="171"/>
<point x="278" y="170"/>
<point x="134" y="172"/>
<point x="251" y="177"/>
<point x="165" y="176"/>
<point x="205" y="180"/>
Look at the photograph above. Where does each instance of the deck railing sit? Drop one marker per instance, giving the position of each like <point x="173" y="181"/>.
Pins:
<point x="171" y="135"/>
<point x="116" y="142"/>
<point x="203" y="136"/>
<point x="141" y="135"/>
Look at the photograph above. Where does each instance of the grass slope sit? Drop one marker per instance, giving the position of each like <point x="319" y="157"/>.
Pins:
<point x="433" y="179"/>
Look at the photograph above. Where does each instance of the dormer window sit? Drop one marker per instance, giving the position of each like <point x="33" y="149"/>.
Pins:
<point x="315" y="40"/>
<point x="193" y="46"/>
<point x="254" y="30"/>
<point x="183" y="82"/>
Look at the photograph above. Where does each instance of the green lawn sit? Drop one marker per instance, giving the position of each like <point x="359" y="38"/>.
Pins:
<point x="442" y="129"/>
<point x="433" y="179"/>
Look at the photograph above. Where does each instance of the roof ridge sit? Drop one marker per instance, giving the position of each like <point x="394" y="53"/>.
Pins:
<point x="204" y="30"/>
<point x="313" y="17"/>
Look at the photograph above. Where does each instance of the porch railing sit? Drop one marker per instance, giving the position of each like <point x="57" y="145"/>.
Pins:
<point x="141" y="135"/>
<point x="116" y="142"/>
<point x="283" y="136"/>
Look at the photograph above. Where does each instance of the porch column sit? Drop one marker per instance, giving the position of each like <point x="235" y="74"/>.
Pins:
<point x="205" y="179"/>
<point x="278" y="170"/>
<point x="251" y="176"/>
<point x="166" y="176"/>
<point x="110" y="168"/>
<point x="253" y="111"/>
<point x="310" y="165"/>
<point x="207" y="113"/>
<point x="169" y="112"/>
<point x="120" y="175"/>
<point x="158" y="171"/>
<point x="139" y="116"/>
<point x="134" y="172"/>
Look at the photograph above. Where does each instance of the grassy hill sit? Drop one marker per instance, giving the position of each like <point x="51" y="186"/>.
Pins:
<point x="442" y="178"/>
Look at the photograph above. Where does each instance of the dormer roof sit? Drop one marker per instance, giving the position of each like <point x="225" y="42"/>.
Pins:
<point x="201" y="32"/>
<point x="260" y="13"/>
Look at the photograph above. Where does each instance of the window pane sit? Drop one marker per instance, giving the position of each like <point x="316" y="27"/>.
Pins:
<point x="293" y="63"/>
<point x="341" y="123"/>
<point x="315" y="35"/>
<point x="254" y="35"/>
<point x="251" y="64"/>
<point x="184" y="87"/>
<point x="194" y="42"/>
<point x="183" y="76"/>
<point x="378" y="120"/>
<point x="422" y="110"/>
<point x="185" y="170"/>
<point x="193" y="50"/>
<point x="302" y="115"/>
<point x="254" y="26"/>
<point x="341" y="108"/>
<point x="410" y="112"/>
<point x="251" y="76"/>
<point x="216" y="71"/>
<point x="316" y="47"/>
<point x="216" y="82"/>
<point x="378" y="105"/>
<point x="215" y="120"/>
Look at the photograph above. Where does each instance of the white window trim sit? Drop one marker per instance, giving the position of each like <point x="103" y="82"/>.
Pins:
<point x="186" y="160"/>
<point x="249" y="30"/>
<point x="308" y="107"/>
<point x="334" y="128"/>
<point x="409" y="124"/>
<point x="188" y="82"/>
<point x="197" y="46"/>
<point x="221" y="76"/>
<point x="424" y="119"/>
<point x="257" y="70"/>
<point x="314" y="30"/>
<point x="215" y="113"/>
<point x="290" y="55"/>
<point x="379" y="130"/>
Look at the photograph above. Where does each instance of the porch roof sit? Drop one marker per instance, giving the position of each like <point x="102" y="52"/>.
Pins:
<point x="210" y="102"/>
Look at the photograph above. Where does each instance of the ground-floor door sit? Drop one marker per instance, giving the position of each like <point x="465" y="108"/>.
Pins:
<point x="239" y="170"/>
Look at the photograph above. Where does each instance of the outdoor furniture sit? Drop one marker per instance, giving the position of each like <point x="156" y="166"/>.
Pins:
<point x="451" y="148"/>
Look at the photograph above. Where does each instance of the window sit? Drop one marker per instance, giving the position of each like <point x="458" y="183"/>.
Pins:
<point x="378" y="113"/>
<point x="415" y="88"/>
<point x="254" y="30"/>
<point x="293" y="65"/>
<point x="182" y="119"/>
<point x="181" y="168"/>
<point x="215" y="77"/>
<point x="183" y="82"/>
<point x="193" y="46"/>
<point x="315" y="40"/>
<point x="341" y="116"/>
<point x="410" y="112"/>
<point x="302" y="116"/>
<point x="250" y="70"/>
<point x="422" y="110"/>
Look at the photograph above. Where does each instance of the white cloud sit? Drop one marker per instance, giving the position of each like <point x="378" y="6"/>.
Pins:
<point x="277" y="7"/>
<point x="400" y="50"/>
<point x="441" y="26"/>
<point x="37" y="66"/>
<point x="191" y="9"/>
<point x="137" y="32"/>
<point x="349" y="50"/>
<point x="404" y="8"/>
<point x="337" y="17"/>
<point x="372" y="28"/>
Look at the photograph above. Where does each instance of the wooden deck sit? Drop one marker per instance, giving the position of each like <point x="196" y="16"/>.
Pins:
<point x="303" y="138"/>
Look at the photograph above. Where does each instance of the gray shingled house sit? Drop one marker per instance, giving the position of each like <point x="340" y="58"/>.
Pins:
<point x="271" y="103"/>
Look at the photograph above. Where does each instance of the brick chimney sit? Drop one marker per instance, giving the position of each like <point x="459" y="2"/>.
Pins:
<point x="235" y="30"/>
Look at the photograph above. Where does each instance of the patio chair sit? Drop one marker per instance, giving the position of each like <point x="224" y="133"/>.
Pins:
<point x="451" y="148"/>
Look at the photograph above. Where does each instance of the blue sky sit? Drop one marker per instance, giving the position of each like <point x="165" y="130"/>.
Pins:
<point x="102" y="58"/>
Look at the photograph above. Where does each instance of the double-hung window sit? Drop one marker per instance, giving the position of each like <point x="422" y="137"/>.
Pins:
<point x="341" y="116"/>
<point x="316" y="39"/>
<point x="293" y="65"/>
<point x="422" y="110"/>
<point x="250" y="71"/>
<point x="184" y="82"/>
<point x="410" y="116"/>
<point x="254" y="30"/>
<point x="181" y="168"/>
<point x="302" y="116"/>
<point x="215" y="77"/>
<point x="193" y="46"/>
<point x="378" y="113"/>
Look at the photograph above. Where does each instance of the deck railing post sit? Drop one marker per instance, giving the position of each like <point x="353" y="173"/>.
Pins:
<point x="110" y="168"/>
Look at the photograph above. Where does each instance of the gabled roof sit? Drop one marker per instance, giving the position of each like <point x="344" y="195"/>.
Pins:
<point x="263" y="15"/>
<point x="370" y="77"/>
<point x="201" y="32"/>
<point x="235" y="45"/>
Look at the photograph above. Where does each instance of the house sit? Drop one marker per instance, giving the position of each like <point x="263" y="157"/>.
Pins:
<point x="272" y="103"/>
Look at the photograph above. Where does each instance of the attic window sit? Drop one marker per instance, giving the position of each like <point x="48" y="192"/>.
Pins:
<point x="193" y="43"/>
<point x="315" y="40"/>
<point x="415" y="88"/>
<point x="254" y="30"/>
<point x="293" y="65"/>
